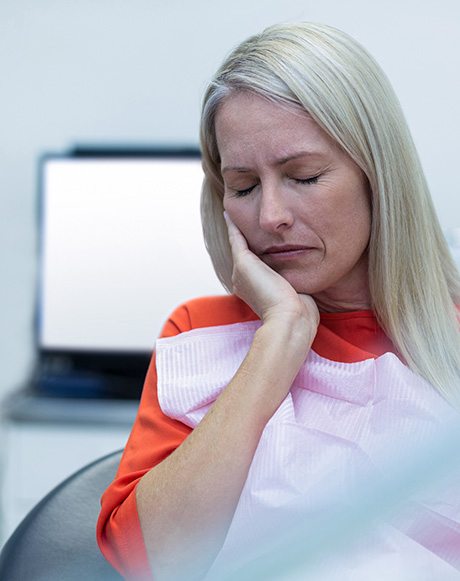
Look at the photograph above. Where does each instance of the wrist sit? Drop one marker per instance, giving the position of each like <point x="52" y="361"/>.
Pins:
<point x="289" y="334"/>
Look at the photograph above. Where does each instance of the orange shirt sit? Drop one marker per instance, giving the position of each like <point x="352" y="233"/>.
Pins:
<point x="346" y="337"/>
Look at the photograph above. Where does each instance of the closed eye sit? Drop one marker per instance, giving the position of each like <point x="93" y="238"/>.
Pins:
<point x="307" y="181"/>
<point x="304" y="181"/>
<point x="245" y="192"/>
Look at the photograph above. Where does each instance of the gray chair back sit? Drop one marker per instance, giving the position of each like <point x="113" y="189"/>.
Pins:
<point x="57" y="540"/>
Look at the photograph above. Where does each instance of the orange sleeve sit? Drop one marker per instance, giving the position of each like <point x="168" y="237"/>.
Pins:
<point x="154" y="436"/>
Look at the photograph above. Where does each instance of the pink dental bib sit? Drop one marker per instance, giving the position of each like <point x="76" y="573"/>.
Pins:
<point x="342" y="427"/>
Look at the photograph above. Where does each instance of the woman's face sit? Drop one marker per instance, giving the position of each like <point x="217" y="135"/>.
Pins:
<point x="300" y="201"/>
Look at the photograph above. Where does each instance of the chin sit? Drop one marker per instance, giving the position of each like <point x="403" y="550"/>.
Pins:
<point x="304" y="284"/>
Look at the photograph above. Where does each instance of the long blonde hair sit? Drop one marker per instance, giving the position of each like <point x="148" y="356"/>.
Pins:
<point x="413" y="280"/>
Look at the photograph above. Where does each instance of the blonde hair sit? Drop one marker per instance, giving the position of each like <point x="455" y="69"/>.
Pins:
<point x="414" y="282"/>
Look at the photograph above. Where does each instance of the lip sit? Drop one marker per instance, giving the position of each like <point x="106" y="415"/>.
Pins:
<point x="284" y="248"/>
<point x="285" y="251"/>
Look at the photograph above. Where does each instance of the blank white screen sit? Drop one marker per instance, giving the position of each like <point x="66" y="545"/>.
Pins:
<point x="122" y="246"/>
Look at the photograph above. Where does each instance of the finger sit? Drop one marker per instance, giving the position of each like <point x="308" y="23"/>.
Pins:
<point x="237" y="240"/>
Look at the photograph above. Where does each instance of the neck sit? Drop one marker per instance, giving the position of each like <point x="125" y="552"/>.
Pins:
<point x="329" y="305"/>
<point x="351" y="297"/>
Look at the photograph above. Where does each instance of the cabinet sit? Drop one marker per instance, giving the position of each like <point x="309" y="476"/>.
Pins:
<point x="45" y="440"/>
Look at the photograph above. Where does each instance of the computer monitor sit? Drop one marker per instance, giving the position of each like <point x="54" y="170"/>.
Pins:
<point x="121" y="246"/>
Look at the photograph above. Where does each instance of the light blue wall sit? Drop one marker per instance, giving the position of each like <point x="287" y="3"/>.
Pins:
<point x="111" y="71"/>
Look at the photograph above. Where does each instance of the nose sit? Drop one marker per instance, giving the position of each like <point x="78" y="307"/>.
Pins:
<point x="275" y="215"/>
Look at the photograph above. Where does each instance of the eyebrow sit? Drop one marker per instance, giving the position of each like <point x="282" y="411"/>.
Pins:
<point x="280" y="161"/>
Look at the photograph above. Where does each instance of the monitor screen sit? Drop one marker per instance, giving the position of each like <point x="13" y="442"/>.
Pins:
<point x="121" y="247"/>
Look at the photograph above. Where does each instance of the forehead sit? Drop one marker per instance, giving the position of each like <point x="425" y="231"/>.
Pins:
<point x="248" y="125"/>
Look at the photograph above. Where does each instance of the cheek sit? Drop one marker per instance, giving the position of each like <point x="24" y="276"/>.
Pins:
<point x="359" y="224"/>
<point x="240" y="213"/>
<point x="363" y="215"/>
<point x="347" y="223"/>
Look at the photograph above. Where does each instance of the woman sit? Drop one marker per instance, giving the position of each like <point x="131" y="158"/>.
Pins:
<point x="340" y="339"/>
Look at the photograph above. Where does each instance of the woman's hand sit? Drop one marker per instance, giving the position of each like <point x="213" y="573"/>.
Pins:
<point x="268" y="294"/>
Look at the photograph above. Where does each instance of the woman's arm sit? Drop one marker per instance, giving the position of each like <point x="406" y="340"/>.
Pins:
<point x="187" y="502"/>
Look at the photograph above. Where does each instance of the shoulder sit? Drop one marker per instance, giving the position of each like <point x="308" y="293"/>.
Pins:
<point x="210" y="311"/>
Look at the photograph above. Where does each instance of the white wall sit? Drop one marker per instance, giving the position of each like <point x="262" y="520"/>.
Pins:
<point x="111" y="71"/>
